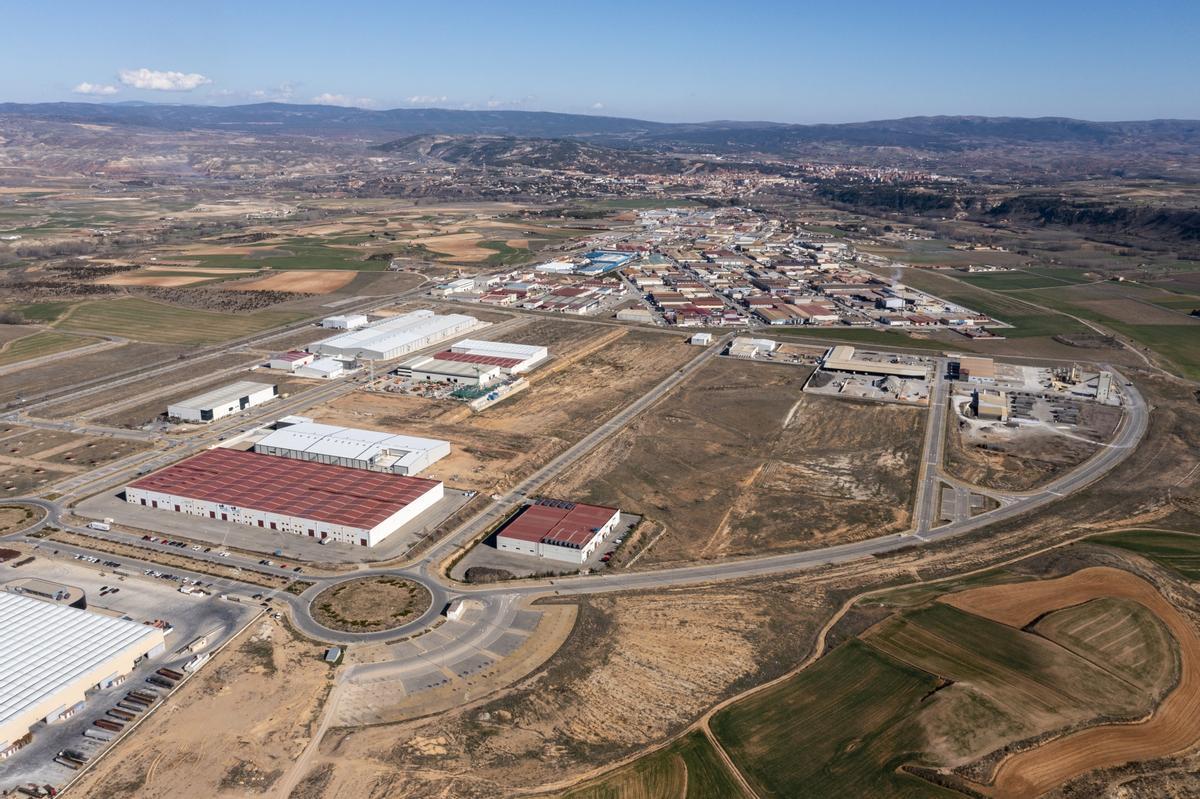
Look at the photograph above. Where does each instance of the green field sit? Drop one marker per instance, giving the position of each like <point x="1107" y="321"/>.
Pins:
<point x="1101" y="631"/>
<point x="505" y="255"/>
<point x="1023" y="279"/>
<point x="1178" y="552"/>
<point x="1023" y="672"/>
<point x="45" y="342"/>
<point x="143" y="320"/>
<point x="841" y="727"/>
<point x="687" y="769"/>
<point x="43" y="311"/>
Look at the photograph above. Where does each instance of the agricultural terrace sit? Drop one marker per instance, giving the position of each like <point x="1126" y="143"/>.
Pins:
<point x="1179" y="552"/>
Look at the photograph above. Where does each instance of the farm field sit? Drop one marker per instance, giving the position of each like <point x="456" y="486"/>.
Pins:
<point x="75" y="369"/>
<point x="36" y="345"/>
<point x="839" y="728"/>
<point x="953" y="678"/>
<point x="857" y="335"/>
<point x="1179" y="552"/>
<point x="1173" y="726"/>
<point x="318" y="282"/>
<point x="687" y="769"/>
<point x="143" y="320"/>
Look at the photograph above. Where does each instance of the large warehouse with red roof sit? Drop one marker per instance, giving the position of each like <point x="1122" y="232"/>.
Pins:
<point x="299" y="497"/>
<point x="559" y="530"/>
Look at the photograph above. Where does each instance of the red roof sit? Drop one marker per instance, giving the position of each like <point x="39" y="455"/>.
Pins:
<point x="293" y="355"/>
<point x="485" y="360"/>
<point x="554" y="522"/>
<point x="333" y="494"/>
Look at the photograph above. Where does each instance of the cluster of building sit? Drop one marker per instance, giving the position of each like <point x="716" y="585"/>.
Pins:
<point x="471" y="362"/>
<point x="394" y="336"/>
<point x="304" y="478"/>
<point x="555" y="289"/>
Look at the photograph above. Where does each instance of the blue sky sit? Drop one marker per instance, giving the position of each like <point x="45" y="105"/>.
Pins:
<point x="672" y="61"/>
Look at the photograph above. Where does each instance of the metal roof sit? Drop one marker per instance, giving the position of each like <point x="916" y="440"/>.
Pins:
<point x="46" y="647"/>
<point x="487" y="360"/>
<point x="397" y="332"/>
<point x="498" y="349"/>
<point x="226" y="394"/>
<point x="345" y="442"/>
<point x="333" y="494"/>
<point x="558" y="522"/>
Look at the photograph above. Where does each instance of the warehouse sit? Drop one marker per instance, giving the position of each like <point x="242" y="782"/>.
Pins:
<point x="216" y="404"/>
<point x="842" y="359"/>
<point x="558" y="530"/>
<point x="526" y="356"/>
<point x="436" y="370"/>
<point x="54" y="654"/>
<point x="345" y="322"/>
<point x="290" y="361"/>
<point x="322" y="368"/>
<point x="395" y="336"/>
<point x="357" y="449"/>
<point x="990" y="404"/>
<point x="298" y="497"/>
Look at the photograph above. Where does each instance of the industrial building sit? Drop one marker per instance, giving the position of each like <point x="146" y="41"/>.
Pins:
<point x="290" y="361"/>
<point x="435" y="370"/>
<point x="322" y="368"/>
<point x="842" y="358"/>
<point x="299" y="497"/>
<point x="357" y="449"/>
<point x="53" y="654"/>
<point x="395" y="336"/>
<point x="743" y="347"/>
<point x="990" y="404"/>
<point x="345" y="322"/>
<point x="214" y="405"/>
<point x="512" y="359"/>
<point x="557" y="530"/>
<point x="979" y="370"/>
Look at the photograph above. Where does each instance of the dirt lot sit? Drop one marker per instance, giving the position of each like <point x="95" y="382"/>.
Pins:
<point x="317" y="282"/>
<point x="635" y="668"/>
<point x="14" y="517"/>
<point x="1173" y="727"/>
<point x="231" y="731"/>
<point x="1003" y="459"/>
<point x="370" y="604"/>
<point x="742" y="462"/>
<point x="600" y="370"/>
<point x="163" y="281"/>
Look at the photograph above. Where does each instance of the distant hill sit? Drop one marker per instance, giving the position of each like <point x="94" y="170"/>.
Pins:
<point x="537" y="153"/>
<point x="940" y="133"/>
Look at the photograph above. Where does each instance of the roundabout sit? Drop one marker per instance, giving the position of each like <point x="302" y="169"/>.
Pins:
<point x="371" y="604"/>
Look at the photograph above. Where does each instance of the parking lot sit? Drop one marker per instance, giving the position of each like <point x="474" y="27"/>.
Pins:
<point x="138" y="597"/>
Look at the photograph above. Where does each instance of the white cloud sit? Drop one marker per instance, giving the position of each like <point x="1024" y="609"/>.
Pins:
<point x="597" y="106"/>
<point x="343" y="99"/>
<point x="102" y="89"/>
<point x="427" y="99"/>
<point x="520" y="102"/>
<point x="159" y="81"/>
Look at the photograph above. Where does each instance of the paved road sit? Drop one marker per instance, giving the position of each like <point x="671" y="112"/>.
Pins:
<point x="927" y="507"/>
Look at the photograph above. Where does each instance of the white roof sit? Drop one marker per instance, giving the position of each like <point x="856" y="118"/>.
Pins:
<point x="435" y="366"/>
<point x="226" y="394"/>
<point x="45" y="647"/>
<point x="346" y="442"/>
<point x="329" y="365"/>
<point x="498" y="349"/>
<point x="395" y="332"/>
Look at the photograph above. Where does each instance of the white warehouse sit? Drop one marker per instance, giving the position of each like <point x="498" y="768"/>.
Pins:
<point x="345" y="322"/>
<point x="54" y="654"/>
<point x="357" y="449"/>
<point x="395" y="336"/>
<point x="214" y="405"/>
<point x="526" y="355"/>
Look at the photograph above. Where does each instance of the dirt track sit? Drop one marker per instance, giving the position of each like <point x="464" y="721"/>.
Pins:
<point x="1172" y="728"/>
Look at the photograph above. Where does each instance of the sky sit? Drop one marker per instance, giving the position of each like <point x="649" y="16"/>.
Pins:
<point x="797" y="61"/>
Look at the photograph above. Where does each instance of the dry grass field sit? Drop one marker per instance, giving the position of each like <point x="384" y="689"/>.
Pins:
<point x="370" y="604"/>
<point x="740" y="461"/>
<point x="87" y="366"/>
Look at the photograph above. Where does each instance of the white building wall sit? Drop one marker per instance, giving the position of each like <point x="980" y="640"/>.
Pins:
<point x="294" y="525"/>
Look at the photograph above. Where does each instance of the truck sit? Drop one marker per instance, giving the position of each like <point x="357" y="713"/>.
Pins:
<point x="102" y="526"/>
